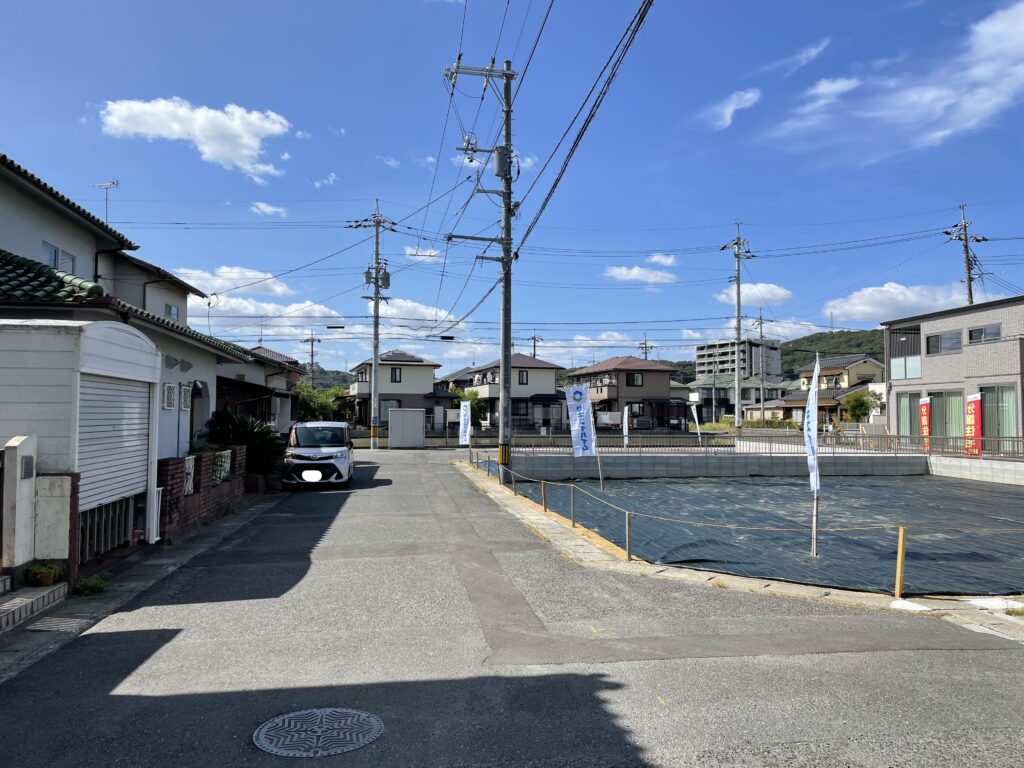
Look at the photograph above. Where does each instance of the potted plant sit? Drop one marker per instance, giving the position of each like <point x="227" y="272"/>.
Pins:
<point x="43" y="575"/>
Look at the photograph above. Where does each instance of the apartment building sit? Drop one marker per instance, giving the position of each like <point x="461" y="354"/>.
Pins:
<point x="950" y="355"/>
<point x="719" y="357"/>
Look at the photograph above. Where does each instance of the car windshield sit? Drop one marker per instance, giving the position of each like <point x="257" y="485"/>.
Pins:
<point x="316" y="437"/>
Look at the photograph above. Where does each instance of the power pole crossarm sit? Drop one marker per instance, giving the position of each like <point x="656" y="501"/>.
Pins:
<point x="962" y="233"/>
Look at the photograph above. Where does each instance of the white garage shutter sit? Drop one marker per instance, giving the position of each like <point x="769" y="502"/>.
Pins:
<point x="113" y="439"/>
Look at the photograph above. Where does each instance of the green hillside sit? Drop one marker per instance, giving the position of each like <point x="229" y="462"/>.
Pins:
<point x="829" y="344"/>
<point x="325" y="379"/>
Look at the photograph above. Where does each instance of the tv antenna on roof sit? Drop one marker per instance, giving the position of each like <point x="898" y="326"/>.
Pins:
<point x="106" y="186"/>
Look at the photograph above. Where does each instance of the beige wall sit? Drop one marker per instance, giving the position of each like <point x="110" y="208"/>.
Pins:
<point x="416" y="380"/>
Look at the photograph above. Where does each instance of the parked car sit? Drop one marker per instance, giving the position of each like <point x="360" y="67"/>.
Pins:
<point x="318" y="452"/>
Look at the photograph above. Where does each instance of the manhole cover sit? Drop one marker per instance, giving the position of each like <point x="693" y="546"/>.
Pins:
<point x="317" y="732"/>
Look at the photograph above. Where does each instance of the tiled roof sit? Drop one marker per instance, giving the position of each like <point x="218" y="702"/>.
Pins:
<point x="520" y="360"/>
<point x="24" y="280"/>
<point x="26" y="175"/>
<point x="729" y="380"/>
<point x="273" y="356"/>
<point x="397" y="356"/>
<point x="621" y="363"/>
<point x="456" y="375"/>
<point x="842" y="361"/>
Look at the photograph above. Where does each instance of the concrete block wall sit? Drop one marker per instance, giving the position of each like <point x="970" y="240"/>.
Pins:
<point x="985" y="470"/>
<point x="623" y="466"/>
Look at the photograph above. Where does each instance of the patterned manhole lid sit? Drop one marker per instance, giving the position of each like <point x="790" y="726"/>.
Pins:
<point x="318" y="732"/>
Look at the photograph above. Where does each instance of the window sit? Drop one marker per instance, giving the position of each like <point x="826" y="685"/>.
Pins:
<point x="982" y="334"/>
<point x="363" y="374"/>
<point x="66" y="262"/>
<point x="171" y="311"/>
<point x="636" y="409"/>
<point x="385" y="409"/>
<point x="998" y="413"/>
<point x="520" y="407"/>
<point x="634" y="379"/>
<point x="49" y="254"/>
<point x="947" y="413"/>
<point x="396" y="375"/>
<point x="908" y="421"/>
<point x="186" y="397"/>
<point x="944" y="343"/>
<point x="524" y="377"/>
<point x="169" y="400"/>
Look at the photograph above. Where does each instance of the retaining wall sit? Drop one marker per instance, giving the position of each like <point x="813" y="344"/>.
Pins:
<point x="562" y="467"/>
<point x="1009" y="472"/>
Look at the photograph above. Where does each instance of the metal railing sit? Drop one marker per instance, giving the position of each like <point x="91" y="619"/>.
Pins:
<point x="105" y="527"/>
<point x="835" y="443"/>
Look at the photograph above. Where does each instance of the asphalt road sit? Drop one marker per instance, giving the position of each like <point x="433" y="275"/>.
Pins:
<point x="413" y="596"/>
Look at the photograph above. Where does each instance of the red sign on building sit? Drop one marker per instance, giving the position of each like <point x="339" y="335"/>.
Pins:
<point x="925" y="414"/>
<point x="972" y="426"/>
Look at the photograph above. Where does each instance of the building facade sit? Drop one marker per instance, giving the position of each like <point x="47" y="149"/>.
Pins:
<point x="719" y="357"/>
<point x="406" y="381"/>
<point x="641" y="386"/>
<point x="536" y="401"/>
<point x="950" y="355"/>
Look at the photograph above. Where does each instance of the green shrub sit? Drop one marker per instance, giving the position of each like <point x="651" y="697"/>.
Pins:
<point x="94" y="585"/>
<point x="264" y="449"/>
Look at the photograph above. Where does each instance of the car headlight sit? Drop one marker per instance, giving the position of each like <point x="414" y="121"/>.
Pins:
<point x="288" y="453"/>
<point x="342" y="454"/>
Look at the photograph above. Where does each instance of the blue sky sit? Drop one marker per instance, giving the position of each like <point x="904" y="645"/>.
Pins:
<point x="245" y="135"/>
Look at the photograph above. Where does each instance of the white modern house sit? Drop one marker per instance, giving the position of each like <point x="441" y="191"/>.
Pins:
<point x="536" y="400"/>
<point x="406" y="381"/>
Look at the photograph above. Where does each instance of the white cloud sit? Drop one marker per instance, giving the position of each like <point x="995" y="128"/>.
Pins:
<point x="388" y="160"/>
<point x="420" y="254"/>
<point x="224" y="278"/>
<point x="339" y="131"/>
<point x="286" y="156"/>
<point x="476" y="162"/>
<point x="721" y="114"/>
<point x="426" y="161"/>
<point x="691" y="335"/>
<point x="663" y="259"/>
<point x="639" y="275"/>
<point x="235" y="318"/>
<point x="910" y="111"/>
<point x="798" y="60"/>
<point x="303" y="135"/>
<point x="327" y="181"/>
<point x="231" y="137"/>
<point x="528" y="162"/>
<point x="893" y="300"/>
<point x="826" y="92"/>
<point x="266" y="209"/>
<point x="759" y="294"/>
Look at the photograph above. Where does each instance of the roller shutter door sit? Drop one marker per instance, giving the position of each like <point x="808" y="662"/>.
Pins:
<point x="113" y="439"/>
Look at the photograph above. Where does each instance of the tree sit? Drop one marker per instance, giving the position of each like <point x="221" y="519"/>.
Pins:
<point x="317" y="404"/>
<point x="860" y="404"/>
<point x="477" y="407"/>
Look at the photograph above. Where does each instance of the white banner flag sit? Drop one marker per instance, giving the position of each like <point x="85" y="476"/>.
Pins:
<point x="465" y="421"/>
<point x="581" y="421"/>
<point x="625" y="427"/>
<point x="811" y="428"/>
<point x="693" y="410"/>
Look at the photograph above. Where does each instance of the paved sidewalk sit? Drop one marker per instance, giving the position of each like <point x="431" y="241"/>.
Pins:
<point x="417" y="597"/>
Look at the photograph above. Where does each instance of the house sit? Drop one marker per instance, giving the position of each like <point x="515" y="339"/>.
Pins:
<point x="406" y="381"/>
<point x="642" y="386"/>
<point x="263" y="388"/>
<point x="536" y="400"/>
<point x="839" y="376"/>
<point x="950" y="355"/>
<point x="715" y="396"/>
<point x="67" y="280"/>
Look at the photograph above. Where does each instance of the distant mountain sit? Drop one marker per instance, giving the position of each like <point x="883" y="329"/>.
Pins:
<point x="829" y="343"/>
<point x="684" y="371"/>
<point x="325" y="379"/>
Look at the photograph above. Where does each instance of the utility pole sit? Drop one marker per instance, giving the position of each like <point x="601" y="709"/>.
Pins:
<point x="960" y="232"/>
<point x="535" y="338"/>
<point x="106" y="186"/>
<point x="741" y="251"/>
<point x="312" y="352"/>
<point x="503" y="170"/>
<point x="644" y="346"/>
<point x="378" y="276"/>
<point x="714" y="388"/>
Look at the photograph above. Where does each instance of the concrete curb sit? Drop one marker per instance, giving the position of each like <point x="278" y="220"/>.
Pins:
<point x="588" y="549"/>
<point x="23" y="646"/>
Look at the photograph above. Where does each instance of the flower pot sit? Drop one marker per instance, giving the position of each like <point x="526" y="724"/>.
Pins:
<point x="44" y="579"/>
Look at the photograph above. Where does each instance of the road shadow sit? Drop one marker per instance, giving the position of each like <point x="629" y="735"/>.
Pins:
<point x="92" y="684"/>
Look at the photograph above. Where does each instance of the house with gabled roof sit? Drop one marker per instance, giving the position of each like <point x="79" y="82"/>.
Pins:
<point x="263" y="388"/>
<point x="406" y="381"/>
<point x="536" y="400"/>
<point x="641" y="386"/>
